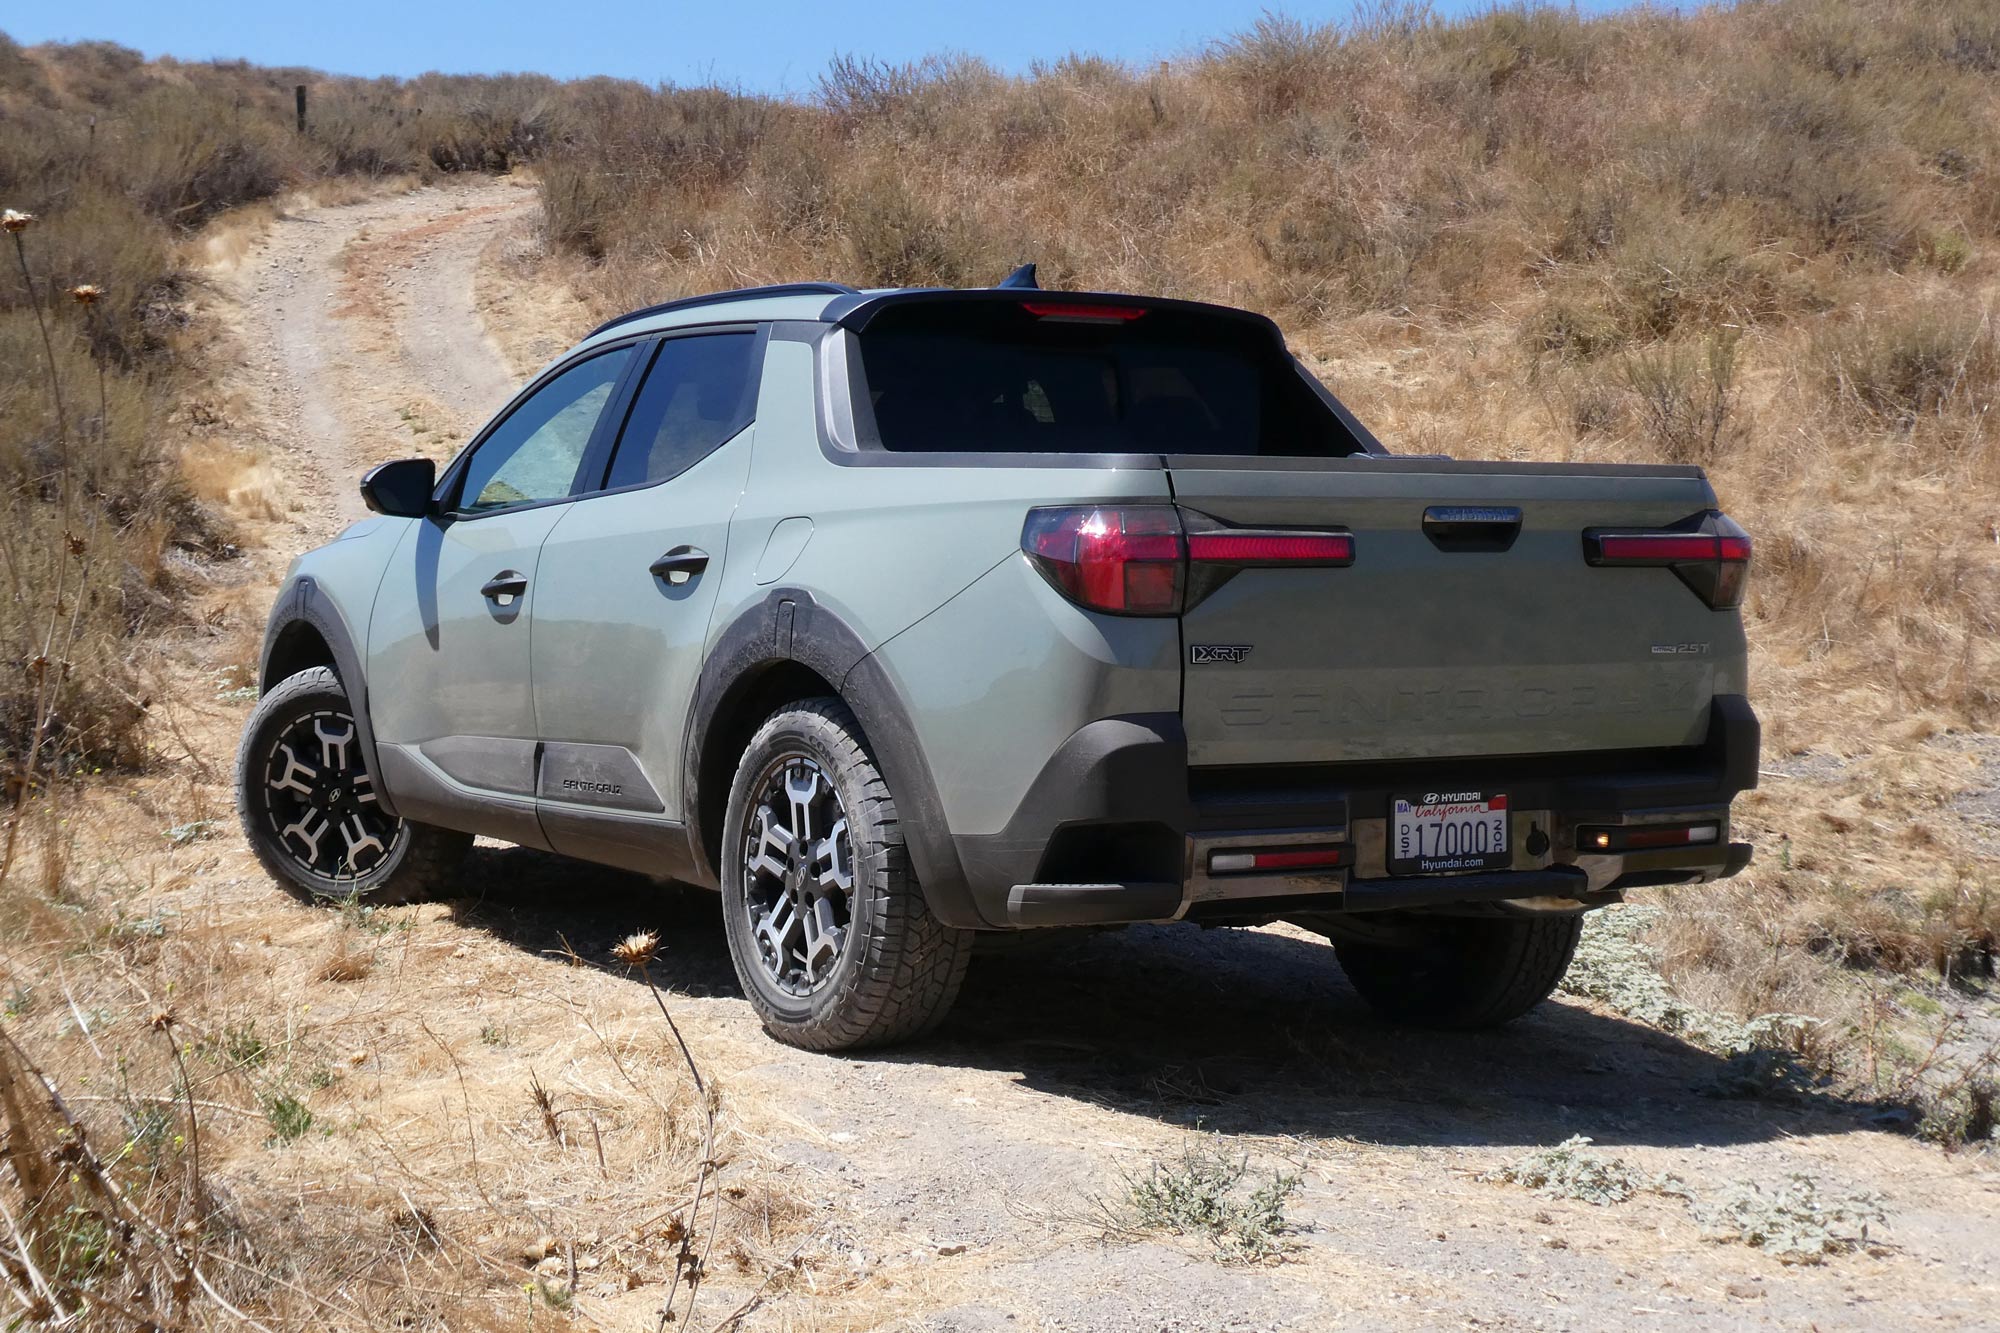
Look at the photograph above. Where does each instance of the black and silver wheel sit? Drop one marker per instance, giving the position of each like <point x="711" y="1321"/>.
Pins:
<point x="308" y="804"/>
<point x="828" y="928"/>
<point x="1461" y="972"/>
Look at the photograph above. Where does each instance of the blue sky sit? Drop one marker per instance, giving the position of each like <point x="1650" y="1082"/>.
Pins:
<point x="761" y="45"/>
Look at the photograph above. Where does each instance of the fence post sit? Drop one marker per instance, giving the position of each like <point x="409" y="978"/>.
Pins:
<point x="299" y="91"/>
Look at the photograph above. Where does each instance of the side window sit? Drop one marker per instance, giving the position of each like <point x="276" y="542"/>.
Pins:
<point x="534" y="454"/>
<point x="698" y="394"/>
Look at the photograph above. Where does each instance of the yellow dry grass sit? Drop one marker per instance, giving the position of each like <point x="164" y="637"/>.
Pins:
<point x="1763" y="239"/>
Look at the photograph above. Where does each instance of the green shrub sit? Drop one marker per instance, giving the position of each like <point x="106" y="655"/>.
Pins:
<point x="289" y="1117"/>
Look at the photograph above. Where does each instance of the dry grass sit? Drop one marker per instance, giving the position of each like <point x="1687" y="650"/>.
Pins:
<point x="1762" y="239"/>
<point x="329" y="1135"/>
<point x="121" y="161"/>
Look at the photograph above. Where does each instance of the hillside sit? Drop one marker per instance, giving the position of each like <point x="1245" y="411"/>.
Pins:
<point x="1764" y="239"/>
<point x="1760" y="239"/>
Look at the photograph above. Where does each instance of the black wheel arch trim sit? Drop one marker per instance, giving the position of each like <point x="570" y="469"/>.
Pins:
<point x="788" y="630"/>
<point x="305" y="606"/>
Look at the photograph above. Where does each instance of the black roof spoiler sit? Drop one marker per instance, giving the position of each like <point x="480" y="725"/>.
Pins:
<point x="855" y="311"/>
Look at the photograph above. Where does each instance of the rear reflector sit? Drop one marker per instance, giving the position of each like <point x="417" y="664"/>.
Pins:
<point x="1271" y="548"/>
<point x="1078" y="310"/>
<point x="1709" y="552"/>
<point x="1641" y="837"/>
<point x="1276" y="859"/>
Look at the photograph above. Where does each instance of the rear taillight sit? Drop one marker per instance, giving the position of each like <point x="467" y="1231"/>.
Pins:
<point x="1127" y="560"/>
<point x="1156" y="560"/>
<point x="1709" y="552"/>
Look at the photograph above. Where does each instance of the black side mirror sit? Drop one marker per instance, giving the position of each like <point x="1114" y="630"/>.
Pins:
<point x="401" y="489"/>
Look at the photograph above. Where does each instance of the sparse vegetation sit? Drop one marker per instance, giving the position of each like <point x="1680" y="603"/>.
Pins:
<point x="1209" y="1191"/>
<point x="1797" y="1221"/>
<point x="1571" y="1171"/>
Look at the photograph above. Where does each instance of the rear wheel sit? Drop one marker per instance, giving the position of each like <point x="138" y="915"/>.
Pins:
<point x="827" y="924"/>
<point x="1462" y="972"/>
<point x="308" y="805"/>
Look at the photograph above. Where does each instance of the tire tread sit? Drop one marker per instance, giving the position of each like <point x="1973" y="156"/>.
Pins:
<point x="911" y="964"/>
<point x="429" y="859"/>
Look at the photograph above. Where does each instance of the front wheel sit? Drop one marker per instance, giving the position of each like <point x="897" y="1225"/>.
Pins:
<point x="308" y="806"/>
<point x="1462" y="972"/>
<point x="832" y="940"/>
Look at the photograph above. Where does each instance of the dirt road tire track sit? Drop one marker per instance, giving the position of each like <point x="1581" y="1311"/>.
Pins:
<point x="971" y="1172"/>
<point x="332" y="370"/>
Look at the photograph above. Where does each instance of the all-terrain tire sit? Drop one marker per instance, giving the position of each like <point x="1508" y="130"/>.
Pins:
<point x="899" y="968"/>
<point x="419" y="859"/>
<point x="1463" y="972"/>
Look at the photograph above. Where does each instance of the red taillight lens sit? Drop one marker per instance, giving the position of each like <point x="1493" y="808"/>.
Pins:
<point x="1271" y="548"/>
<point x="1126" y="560"/>
<point x="1079" y="310"/>
<point x="1711" y="554"/>
<point x="1654" y="548"/>
<point x="1137" y="560"/>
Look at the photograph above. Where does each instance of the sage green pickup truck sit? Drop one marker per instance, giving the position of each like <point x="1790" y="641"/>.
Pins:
<point x="902" y="616"/>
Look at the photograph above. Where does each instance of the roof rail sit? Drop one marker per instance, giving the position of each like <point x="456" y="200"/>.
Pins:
<point x="739" y="294"/>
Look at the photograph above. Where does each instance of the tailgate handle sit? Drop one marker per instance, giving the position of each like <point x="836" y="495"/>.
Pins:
<point x="1472" y="527"/>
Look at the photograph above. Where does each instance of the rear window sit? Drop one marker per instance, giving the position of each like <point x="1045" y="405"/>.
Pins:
<point x="993" y="377"/>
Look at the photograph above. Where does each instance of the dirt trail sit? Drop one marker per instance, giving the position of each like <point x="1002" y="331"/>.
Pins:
<point x="354" y="319"/>
<point x="968" y="1172"/>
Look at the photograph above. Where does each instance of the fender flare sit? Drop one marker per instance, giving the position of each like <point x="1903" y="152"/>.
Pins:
<point x="307" y="604"/>
<point x="791" y="627"/>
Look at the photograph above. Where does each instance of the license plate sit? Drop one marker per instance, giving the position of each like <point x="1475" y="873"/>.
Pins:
<point x="1442" y="832"/>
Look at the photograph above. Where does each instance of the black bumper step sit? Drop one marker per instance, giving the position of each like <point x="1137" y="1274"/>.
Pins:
<point x="1091" y="904"/>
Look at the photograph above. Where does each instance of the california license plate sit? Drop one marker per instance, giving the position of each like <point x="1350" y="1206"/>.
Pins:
<point x="1442" y="832"/>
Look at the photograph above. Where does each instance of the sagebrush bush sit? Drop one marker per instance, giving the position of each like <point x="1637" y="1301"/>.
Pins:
<point x="1684" y="395"/>
<point x="1903" y="366"/>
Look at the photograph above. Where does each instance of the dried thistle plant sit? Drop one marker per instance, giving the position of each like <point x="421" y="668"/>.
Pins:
<point x="637" y="951"/>
<point x="87" y="295"/>
<point x="15" y="223"/>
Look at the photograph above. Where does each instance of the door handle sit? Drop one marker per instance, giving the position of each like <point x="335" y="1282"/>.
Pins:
<point x="505" y="586"/>
<point x="680" y="564"/>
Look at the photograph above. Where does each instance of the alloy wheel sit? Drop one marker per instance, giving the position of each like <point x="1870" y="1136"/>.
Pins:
<point x="798" y="874"/>
<point x="319" y="801"/>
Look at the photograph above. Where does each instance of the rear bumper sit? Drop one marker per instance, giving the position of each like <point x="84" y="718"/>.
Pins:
<point x="1118" y="828"/>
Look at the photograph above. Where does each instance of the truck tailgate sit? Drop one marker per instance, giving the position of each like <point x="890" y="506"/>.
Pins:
<point x="1456" y="637"/>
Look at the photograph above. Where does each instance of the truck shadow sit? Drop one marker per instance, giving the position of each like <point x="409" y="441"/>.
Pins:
<point x="1240" y="1032"/>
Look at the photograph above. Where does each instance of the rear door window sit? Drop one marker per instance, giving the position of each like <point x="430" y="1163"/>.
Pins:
<point x="698" y="395"/>
<point x="993" y="377"/>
